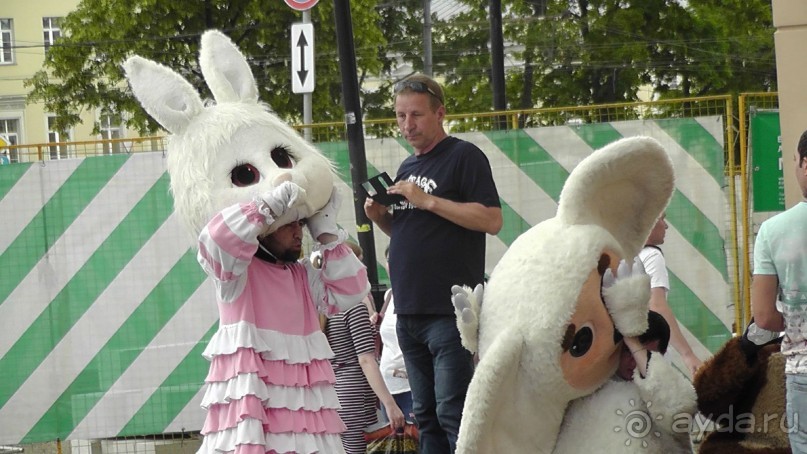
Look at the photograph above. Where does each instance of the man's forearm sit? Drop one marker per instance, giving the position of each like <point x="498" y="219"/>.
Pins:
<point x="658" y="303"/>
<point x="764" y="289"/>
<point x="384" y="223"/>
<point x="472" y="216"/>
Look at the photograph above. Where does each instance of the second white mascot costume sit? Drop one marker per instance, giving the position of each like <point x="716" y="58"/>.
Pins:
<point x="548" y="326"/>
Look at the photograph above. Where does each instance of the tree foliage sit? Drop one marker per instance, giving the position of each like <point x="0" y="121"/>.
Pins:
<point x="557" y="52"/>
<point x="581" y="52"/>
<point x="83" y="70"/>
<point x="402" y="25"/>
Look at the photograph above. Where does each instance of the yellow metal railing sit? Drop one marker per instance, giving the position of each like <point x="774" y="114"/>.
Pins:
<point x="530" y="118"/>
<point x="748" y="102"/>
<point x="40" y="152"/>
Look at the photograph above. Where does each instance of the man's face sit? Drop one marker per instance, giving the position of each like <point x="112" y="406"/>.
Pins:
<point x="659" y="231"/>
<point x="419" y="124"/>
<point x="286" y="243"/>
<point x="801" y="173"/>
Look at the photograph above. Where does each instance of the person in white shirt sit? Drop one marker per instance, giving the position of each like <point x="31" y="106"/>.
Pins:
<point x="656" y="267"/>
<point x="392" y="362"/>
<point x="780" y="272"/>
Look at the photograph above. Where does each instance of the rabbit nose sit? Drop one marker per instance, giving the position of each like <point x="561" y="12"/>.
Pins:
<point x="285" y="176"/>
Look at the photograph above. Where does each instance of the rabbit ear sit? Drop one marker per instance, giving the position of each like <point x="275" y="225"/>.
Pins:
<point x="165" y="95"/>
<point x="623" y="187"/>
<point x="226" y="70"/>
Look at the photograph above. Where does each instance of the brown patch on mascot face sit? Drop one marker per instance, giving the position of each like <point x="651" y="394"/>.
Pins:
<point x="590" y="345"/>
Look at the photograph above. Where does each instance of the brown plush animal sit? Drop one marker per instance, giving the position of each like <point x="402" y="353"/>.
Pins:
<point x="742" y="390"/>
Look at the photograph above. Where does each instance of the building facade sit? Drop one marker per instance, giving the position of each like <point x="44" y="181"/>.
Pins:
<point x="27" y="30"/>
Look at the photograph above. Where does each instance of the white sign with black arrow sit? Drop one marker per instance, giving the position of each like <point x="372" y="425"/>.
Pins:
<point x="302" y="58"/>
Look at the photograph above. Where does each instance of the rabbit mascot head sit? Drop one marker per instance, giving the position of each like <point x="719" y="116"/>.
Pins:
<point x="558" y="303"/>
<point x="232" y="148"/>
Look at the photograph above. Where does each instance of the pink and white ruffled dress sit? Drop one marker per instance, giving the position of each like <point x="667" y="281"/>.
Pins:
<point x="270" y="388"/>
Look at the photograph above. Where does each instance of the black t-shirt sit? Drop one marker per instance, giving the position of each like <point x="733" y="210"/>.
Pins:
<point x="429" y="254"/>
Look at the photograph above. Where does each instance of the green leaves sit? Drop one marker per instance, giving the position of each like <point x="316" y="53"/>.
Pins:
<point x="557" y="52"/>
<point x="83" y="70"/>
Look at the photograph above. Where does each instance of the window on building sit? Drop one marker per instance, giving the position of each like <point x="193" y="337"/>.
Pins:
<point x="51" y="29"/>
<point x="62" y="150"/>
<point x="6" y="43"/>
<point x="10" y="130"/>
<point x="110" y="126"/>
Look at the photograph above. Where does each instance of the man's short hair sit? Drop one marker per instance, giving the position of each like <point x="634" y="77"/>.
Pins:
<point x="421" y="83"/>
<point x="802" y="147"/>
<point x="657" y="330"/>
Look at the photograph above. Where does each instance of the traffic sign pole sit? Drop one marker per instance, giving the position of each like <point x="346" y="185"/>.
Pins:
<point x="307" y="97"/>
<point x="304" y="6"/>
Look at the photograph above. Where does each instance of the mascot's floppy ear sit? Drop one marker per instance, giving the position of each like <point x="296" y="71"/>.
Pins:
<point x="226" y="70"/>
<point x="165" y="95"/>
<point x="634" y="180"/>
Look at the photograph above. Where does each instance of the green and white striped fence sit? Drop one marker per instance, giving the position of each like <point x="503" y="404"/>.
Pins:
<point x="105" y="311"/>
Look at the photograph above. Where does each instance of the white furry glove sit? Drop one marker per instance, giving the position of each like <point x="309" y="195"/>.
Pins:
<point x="324" y="220"/>
<point x="627" y="296"/>
<point x="281" y="205"/>
<point x="467" y="306"/>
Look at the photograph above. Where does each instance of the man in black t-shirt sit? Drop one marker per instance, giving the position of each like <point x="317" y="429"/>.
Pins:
<point x="437" y="239"/>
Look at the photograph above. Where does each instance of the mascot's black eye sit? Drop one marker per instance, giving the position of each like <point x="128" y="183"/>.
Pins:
<point x="282" y="157"/>
<point x="581" y="342"/>
<point x="245" y="175"/>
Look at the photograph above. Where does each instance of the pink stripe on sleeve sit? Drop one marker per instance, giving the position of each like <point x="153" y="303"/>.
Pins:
<point x="215" y="265"/>
<point x="234" y="232"/>
<point x="352" y="285"/>
<point x="343" y="273"/>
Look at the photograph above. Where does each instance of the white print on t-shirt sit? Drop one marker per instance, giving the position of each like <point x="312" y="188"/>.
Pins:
<point x="427" y="184"/>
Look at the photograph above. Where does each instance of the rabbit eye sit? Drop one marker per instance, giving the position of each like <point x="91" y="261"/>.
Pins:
<point x="282" y="157"/>
<point x="245" y="175"/>
<point x="581" y="343"/>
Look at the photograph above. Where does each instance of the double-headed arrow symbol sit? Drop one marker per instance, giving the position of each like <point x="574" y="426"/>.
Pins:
<point x="303" y="72"/>
<point x="302" y="58"/>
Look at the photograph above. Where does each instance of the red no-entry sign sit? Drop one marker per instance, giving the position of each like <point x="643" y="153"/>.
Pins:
<point x="301" y="5"/>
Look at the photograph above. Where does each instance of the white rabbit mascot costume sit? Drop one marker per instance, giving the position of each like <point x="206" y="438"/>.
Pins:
<point x="238" y="175"/>
<point x="557" y="305"/>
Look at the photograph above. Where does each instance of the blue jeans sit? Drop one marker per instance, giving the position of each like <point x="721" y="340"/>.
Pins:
<point x="797" y="412"/>
<point x="439" y="370"/>
<point x="404" y="402"/>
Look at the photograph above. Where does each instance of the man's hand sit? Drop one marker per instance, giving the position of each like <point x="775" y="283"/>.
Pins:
<point x="281" y="205"/>
<point x="374" y="210"/>
<point x="379" y="214"/>
<point x="413" y="193"/>
<point x="755" y="338"/>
